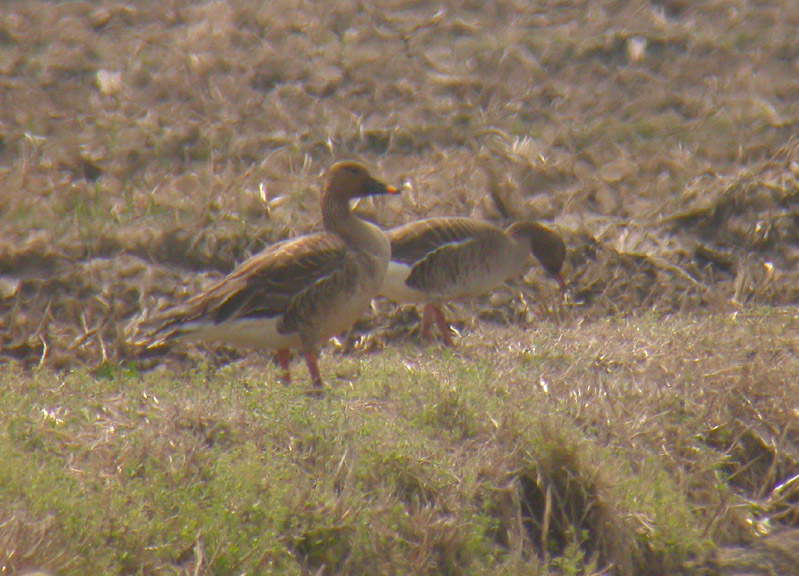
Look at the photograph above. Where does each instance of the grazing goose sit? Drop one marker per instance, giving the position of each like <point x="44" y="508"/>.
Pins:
<point x="441" y="259"/>
<point x="300" y="292"/>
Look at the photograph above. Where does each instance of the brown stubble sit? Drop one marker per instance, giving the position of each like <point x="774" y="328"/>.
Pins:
<point x="147" y="148"/>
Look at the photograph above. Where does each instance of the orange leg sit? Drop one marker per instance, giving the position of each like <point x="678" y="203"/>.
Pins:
<point x="433" y="312"/>
<point x="313" y="368"/>
<point x="427" y="320"/>
<point x="443" y="326"/>
<point x="561" y="282"/>
<point x="283" y="357"/>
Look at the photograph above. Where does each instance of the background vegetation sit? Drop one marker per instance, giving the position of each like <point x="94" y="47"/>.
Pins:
<point x="645" y="425"/>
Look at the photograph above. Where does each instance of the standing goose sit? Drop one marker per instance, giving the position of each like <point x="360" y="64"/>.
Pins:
<point x="300" y="292"/>
<point x="442" y="259"/>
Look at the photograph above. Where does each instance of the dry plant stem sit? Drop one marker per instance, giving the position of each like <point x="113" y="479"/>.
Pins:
<point x="199" y="556"/>
<point x="545" y="526"/>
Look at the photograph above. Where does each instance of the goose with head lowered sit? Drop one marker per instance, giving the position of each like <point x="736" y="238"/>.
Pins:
<point x="437" y="260"/>
<point x="299" y="293"/>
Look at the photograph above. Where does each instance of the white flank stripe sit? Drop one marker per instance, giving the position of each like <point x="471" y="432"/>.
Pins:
<point x="245" y="333"/>
<point x="394" y="287"/>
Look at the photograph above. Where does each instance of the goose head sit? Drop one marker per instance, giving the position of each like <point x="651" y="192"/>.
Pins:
<point x="545" y="244"/>
<point x="348" y="179"/>
<point x="345" y="181"/>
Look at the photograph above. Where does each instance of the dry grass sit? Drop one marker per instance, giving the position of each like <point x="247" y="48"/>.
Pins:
<point x="624" y="446"/>
<point x="146" y="148"/>
<point x="186" y="137"/>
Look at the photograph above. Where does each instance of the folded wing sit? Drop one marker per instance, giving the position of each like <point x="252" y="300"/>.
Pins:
<point x="287" y="279"/>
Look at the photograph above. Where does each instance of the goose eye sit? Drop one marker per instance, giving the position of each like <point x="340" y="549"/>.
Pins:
<point x="354" y="170"/>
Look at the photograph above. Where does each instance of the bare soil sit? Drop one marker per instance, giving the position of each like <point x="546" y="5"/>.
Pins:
<point x="145" y="144"/>
<point x="147" y="147"/>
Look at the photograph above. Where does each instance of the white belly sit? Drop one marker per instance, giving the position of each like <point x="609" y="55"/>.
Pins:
<point x="263" y="332"/>
<point x="241" y="333"/>
<point x="467" y="284"/>
<point x="334" y="317"/>
<point x="395" y="289"/>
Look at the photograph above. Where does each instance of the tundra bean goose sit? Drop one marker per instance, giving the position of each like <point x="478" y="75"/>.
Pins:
<point x="441" y="259"/>
<point x="298" y="293"/>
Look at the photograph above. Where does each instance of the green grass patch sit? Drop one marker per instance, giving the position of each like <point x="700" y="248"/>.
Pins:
<point x="404" y="472"/>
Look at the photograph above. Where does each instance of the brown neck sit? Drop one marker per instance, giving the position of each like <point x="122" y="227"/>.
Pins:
<point x="357" y="234"/>
<point x="529" y="232"/>
<point x="545" y="244"/>
<point x="335" y="214"/>
<point x="338" y="218"/>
